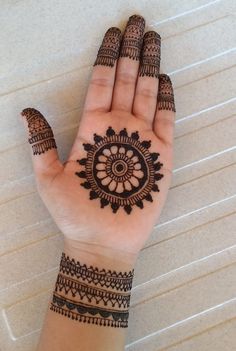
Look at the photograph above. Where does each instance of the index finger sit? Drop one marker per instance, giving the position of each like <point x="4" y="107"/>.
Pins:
<point x="100" y="90"/>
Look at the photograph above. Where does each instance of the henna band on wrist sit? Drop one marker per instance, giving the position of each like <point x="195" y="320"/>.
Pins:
<point x="92" y="295"/>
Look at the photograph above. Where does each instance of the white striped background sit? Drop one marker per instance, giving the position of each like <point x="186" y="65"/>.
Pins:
<point x="184" y="295"/>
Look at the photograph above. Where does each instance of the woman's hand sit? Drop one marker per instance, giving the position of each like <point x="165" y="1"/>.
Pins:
<point x="109" y="194"/>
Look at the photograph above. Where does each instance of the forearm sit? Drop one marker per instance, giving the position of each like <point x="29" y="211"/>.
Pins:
<point x="89" y="305"/>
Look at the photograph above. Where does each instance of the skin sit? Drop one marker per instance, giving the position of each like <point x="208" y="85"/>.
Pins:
<point x="116" y="97"/>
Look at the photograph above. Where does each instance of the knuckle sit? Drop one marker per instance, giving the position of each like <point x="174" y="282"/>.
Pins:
<point x="101" y="82"/>
<point x="169" y="146"/>
<point x="126" y="78"/>
<point x="166" y="122"/>
<point x="147" y="93"/>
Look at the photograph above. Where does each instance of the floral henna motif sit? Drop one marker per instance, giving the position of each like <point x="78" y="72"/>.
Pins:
<point x="120" y="170"/>
<point x="151" y="55"/>
<point x="109" y="50"/>
<point x="133" y="38"/>
<point x="165" y="94"/>
<point x="40" y="133"/>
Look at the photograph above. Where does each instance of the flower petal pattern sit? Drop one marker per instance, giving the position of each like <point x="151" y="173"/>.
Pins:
<point x="120" y="170"/>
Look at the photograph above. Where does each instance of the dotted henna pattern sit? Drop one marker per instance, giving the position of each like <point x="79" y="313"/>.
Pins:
<point x="89" y="314"/>
<point x="120" y="170"/>
<point x="165" y="94"/>
<point x="151" y="55"/>
<point x="91" y="295"/>
<point x="104" y="278"/>
<point x="40" y="133"/>
<point x="109" y="50"/>
<point x="133" y="38"/>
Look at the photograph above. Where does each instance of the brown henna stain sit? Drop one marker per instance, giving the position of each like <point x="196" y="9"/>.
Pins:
<point x="40" y="133"/>
<point x="133" y="38"/>
<point x="109" y="50"/>
<point x="165" y="94"/>
<point x="91" y="295"/>
<point x="151" y="55"/>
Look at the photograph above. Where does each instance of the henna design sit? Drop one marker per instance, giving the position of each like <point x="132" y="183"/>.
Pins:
<point x="120" y="170"/>
<point x="133" y="38"/>
<point x="109" y="50"/>
<point x="151" y="55"/>
<point x="40" y="133"/>
<point x="165" y="94"/>
<point x="92" y="294"/>
<point x="89" y="303"/>
<point x="109" y="279"/>
<point x="113" y="318"/>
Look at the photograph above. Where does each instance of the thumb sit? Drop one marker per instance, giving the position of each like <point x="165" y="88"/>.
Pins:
<point x="44" y="150"/>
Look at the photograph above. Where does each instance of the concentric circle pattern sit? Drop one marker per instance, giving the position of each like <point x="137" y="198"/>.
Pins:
<point x="120" y="170"/>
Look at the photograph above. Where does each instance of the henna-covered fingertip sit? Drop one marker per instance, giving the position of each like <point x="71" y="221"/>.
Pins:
<point x="165" y="96"/>
<point x="151" y="55"/>
<point x="40" y="133"/>
<point x="108" y="52"/>
<point x="133" y="38"/>
<point x="28" y="111"/>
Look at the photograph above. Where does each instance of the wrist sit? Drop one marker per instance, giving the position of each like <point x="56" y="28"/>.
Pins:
<point x="88" y="292"/>
<point x="100" y="256"/>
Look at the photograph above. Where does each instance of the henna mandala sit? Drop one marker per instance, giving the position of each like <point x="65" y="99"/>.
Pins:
<point x="109" y="50"/>
<point x="165" y="94"/>
<point x="120" y="170"/>
<point x="151" y="55"/>
<point x="119" y="281"/>
<point x="88" y="303"/>
<point x="40" y="133"/>
<point x="133" y="38"/>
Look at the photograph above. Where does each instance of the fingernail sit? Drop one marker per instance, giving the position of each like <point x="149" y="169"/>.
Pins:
<point x="151" y="55"/>
<point x="108" y="52"/>
<point x="133" y="38"/>
<point x="165" y="94"/>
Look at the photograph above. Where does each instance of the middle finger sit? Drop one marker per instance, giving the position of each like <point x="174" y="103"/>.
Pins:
<point x="128" y="64"/>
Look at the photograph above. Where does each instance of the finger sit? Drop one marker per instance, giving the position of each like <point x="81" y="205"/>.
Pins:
<point x="41" y="138"/>
<point x="99" y="95"/>
<point x="145" y="99"/>
<point x="128" y="64"/>
<point x="165" y="115"/>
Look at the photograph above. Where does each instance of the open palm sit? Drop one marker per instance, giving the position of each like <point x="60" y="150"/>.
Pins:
<point x="112" y="188"/>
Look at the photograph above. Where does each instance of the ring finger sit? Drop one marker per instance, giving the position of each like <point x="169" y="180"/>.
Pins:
<point x="145" y="100"/>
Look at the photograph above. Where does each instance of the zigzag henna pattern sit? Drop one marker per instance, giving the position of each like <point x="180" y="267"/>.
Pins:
<point x="90" y="293"/>
<point x="86" y="302"/>
<point x="133" y="38"/>
<point x="40" y="133"/>
<point x="109" y="279"/>
<point x="120" y="170"/>
<point x="165" y="94"/>
<point x="151" y="55"/>
<point x="89" y="314"/>
<point x="109" y="50"/>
